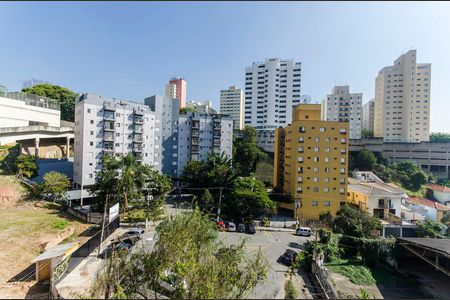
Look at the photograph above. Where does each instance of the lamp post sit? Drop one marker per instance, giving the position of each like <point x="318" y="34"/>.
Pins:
<point x="298" y="204"/>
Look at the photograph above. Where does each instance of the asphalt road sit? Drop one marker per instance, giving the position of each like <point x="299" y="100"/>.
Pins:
<point x="273" y="245"/>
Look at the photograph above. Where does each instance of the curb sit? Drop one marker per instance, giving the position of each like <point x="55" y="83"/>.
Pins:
<point x="275" y="229"/>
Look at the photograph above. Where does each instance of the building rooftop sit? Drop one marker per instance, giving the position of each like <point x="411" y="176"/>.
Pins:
<point x="442" y="245"/>
<point x="34" y="100"/>
<point x="427" y="202"/>
<point x="437" y="188"/>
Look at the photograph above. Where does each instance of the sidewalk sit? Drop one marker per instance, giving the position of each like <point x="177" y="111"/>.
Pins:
<point x="261" y="228"/>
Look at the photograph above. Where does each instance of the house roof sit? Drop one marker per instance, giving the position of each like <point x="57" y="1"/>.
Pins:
<point x="427" y="202"/>
<point x="441" y="245"/>
<point x="58" y="250"/>
<point x="437" y="187"/>
<point x="374" y="189"/>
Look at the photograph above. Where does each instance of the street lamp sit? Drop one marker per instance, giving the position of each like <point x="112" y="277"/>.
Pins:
<point x="298" y="204"/>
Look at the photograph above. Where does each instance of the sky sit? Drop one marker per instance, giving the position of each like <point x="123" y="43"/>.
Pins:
<point x="129" y="50"/>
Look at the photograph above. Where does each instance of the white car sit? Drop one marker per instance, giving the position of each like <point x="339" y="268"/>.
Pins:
<point x="304" y="231"/>
<point x="231" y="227"/>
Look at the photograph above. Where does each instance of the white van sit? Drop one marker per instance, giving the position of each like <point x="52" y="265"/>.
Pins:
<point x="305" y="231"/>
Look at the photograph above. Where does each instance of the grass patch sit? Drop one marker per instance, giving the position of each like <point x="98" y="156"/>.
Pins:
<point x="354" y="270"/>
<point x="136" y="215"/>
<point x="60" y="224"/>
<point x="290" y="291"/>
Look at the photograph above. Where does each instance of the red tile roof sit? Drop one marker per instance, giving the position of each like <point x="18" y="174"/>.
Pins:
<point x="438" y="188"/>
<point x="427" y="202"/>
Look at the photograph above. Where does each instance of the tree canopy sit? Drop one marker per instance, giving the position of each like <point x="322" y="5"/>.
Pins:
<point x="126" y="178"/>
<point x="354" y="222"/>
<point x="365" y="160"/>
<point x="65" y="97"/>
<point x="440" y="137"/>
<point x="432" y="229"/>
<point x="194" y="264"/>
<point x="366" y="133"/>
<point x="246" y="153"/>
<point x="56" y="185"/>
<point x="26" y="165"/>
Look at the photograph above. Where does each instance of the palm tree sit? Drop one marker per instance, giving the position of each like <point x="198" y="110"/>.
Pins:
<point x="130" y="175"/>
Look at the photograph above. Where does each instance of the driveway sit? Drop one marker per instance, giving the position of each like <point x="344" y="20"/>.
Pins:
<point x="273" y="245"/>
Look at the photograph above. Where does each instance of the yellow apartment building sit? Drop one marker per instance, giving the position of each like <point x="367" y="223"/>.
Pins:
<point x="311" y="162"/>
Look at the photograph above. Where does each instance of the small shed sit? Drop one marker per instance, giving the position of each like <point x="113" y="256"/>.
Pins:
<point x="47" y="262"/>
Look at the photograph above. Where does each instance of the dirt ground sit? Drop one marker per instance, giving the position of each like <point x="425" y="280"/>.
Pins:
<point x="26" y="231"/>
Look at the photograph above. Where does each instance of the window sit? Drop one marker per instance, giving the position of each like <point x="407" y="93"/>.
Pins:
<point x="90" y="175"/>
<point x="343" y="160"/>
<point x="326" y="179"/>
<point x="315" y="203"/>
<point x="91" y="143"/>
<point x="301" y="129"/>
<point x="89" y="110"/>
<point x="322" y="129"/>
<point x="316" y="149"/>
<point x="316" y="139"/>
<point x="301" y="139"/>
<point x="327" y="159"/>
<point x="342" y="190"/>
<point x="300" y="179"/>
<point x="300" y="149"/>
<point x="327" y="149"/>
<point x="91" y="121"/>
<point x="327" y="170"/>
<point x="91" y="132"/>
<point x="300" y="159"/>
<point x="342" y="170"/>
<point x="316" y="189"/>
<point x="316" y="169"/>
<point x="327" y="139"/>
<point x="326" y="203"/>
<point x="326" y="190"/>
<point x="315" y="179"/>
<point x="316" y="159"/>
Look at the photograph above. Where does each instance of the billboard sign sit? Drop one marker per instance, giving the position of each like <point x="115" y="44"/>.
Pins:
<point x="113" y="212"/>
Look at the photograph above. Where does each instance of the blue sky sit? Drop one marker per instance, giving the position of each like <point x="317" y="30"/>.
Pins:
<point x="129" y="50"/>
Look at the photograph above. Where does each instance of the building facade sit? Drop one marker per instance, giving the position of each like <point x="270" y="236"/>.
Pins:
<point x="315" y="164"/>
<point x="402" y="100"/>
<point x="201" y="107"/>
<point x="109" y="126"/>
<point x="232" y="104"/>
<point x="200" y="134"/>
<point x="167" y="113"/>
<point x="177" y="88"/>
<point x="368" y="115"/>
<point x="272" y="88"/>
<point x="343" y="106"/>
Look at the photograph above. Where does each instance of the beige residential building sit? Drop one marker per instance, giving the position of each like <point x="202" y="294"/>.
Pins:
<point x="232" y="104"/>
<point x="367" y="112"/>
<point x="402" y="100"/>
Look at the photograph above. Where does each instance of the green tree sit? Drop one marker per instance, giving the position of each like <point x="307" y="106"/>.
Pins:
<point x="440" y="137"/>
<point x="185" y="110"/>
<point x="410" y="175"/>
<point x="155" y="209"/>
<point x="326" y="218"/>
<point x="65" y="97"/>
<point x="248" y="198"/>
<point x="246" y="153"/>
<point x="27" y="166"/>
<point x="264" y="173"/>
<point x="385" y="173"/>
<point x="56" y="185"/>
<point x="443" y="181"/>
<point x="194" y="172"/>
<point x="205" y="200"/>
<point x="3" y="89"/>
<point x="195" y="264"/>
<point x="353" y="222"/>
<point x="365" y="160"/>
<point x="446" y="218"/>
<point x="432" y="229"/>
<point x="366" y="133"/>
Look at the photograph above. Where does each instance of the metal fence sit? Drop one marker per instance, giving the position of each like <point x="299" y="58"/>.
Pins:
<point x="34" y="100"/>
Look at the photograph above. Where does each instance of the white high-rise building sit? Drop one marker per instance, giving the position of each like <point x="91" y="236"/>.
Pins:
<point x="272" y="88"/>
<point x="402" y="100"/>
<point x="343" y="106"/>
<point x="200" y="134"/>
<point x="232" y="104"/>
<point x="109" y="126"/>
<point x="202" y="107"/>
<point x="368" y="111"/>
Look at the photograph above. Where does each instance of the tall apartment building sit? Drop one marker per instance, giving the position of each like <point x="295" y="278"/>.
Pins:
<point x="271" y="89"/>
<point x="232" y="104"/>
<point x="109" y="126"/>
<point x="201" y="133"/>
<point x="402" y="100"/>
<point x="176" y="88"/>
<point x="368" y="115"/>
<point x="343" y="106"/>
<point x="311" y="162"/>
<point x="167" y="113"/>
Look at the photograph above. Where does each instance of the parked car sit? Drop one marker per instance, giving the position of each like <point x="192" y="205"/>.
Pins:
<point x="240" y="228"/>
<point x="289" y="257"/>
<point x="118" y="247"/>
<point x="219" y="222"/>
<point x="249" y="228"/>
<point x="130" y="237"/>
<point x="231" y="227"/>
<point x="304" y="231"/>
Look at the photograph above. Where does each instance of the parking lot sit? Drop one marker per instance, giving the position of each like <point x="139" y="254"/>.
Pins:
<point x="273" y="245"/>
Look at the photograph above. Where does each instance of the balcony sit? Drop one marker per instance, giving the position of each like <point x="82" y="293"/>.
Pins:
<point x="108" y="126"/>
<point x="138" y="129"/>
<point x="108" y="136"/>
<point x="108" y="147"/>
<point x="138" y="148"/>
<point x="138" y="156"/>
<point x="138" y="120"/>
<point x="195" y="149"/>
<point x="343" y="130"/>
<point x="195" y="125"/>
<point x="195" y="141"/>
<point x="109" y="106"/>
<point x="195" y="133"/>
<point x="138" y="112"/>
<point x="108" y="115"/>
<point x="137" y="138"/>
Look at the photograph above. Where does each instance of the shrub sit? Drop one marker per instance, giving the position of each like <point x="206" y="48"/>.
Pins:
<point x="291" y="292"/>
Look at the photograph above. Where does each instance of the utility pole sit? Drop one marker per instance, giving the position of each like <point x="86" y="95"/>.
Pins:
<point x="220" y="202"/>
<point x="103" y="226"/>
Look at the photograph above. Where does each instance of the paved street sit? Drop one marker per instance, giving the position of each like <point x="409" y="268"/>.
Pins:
<point x="273" y="244"/>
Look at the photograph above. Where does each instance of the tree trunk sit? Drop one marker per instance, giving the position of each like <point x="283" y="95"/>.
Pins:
<point x="126" y="201"/>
